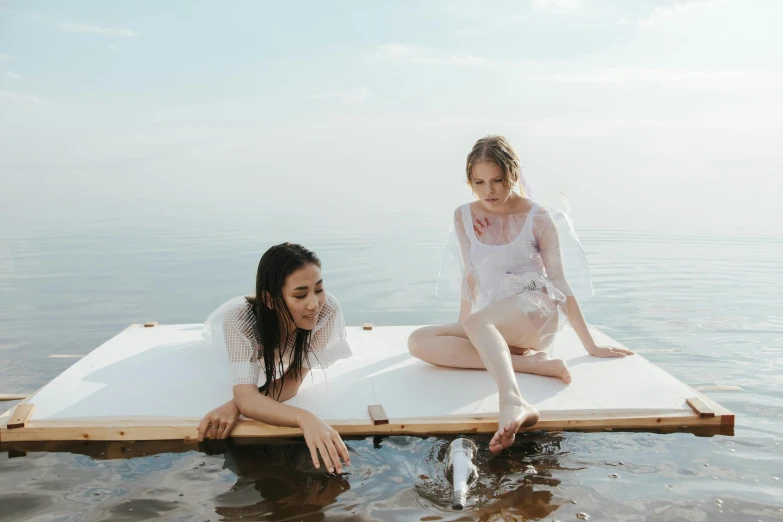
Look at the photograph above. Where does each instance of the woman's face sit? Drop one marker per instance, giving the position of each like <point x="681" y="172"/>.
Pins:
<point x="303" y="293"/>
<point x="486" y="180"/>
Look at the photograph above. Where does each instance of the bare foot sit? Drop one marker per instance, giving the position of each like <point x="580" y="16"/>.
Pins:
<point x="554" y="368"/>
<point x="511" y="420"/>
<point x="539" y="363"/>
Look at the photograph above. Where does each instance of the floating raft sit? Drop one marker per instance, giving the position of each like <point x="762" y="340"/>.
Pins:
<point x="157" y="382"/>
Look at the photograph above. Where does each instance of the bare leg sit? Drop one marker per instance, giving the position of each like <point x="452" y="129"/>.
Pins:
<point x="484" y="331"/>
<point x="448" y="345"/>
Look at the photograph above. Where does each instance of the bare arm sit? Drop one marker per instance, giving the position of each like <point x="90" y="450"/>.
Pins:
<point x="257" y="406"/>
<point x="320" y="437"/>
<point x="468" y="281"/>
<point x="549" y="246"/>
<point x="291" y="386"/>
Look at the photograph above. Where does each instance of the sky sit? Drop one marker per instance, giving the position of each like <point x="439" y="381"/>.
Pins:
<point x="651" y="114"/>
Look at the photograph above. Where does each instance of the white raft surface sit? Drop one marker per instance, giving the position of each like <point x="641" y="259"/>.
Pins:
<point x="156" y="383"/>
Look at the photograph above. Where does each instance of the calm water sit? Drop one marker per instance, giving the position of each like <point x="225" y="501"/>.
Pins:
<point x="705" y="308"/>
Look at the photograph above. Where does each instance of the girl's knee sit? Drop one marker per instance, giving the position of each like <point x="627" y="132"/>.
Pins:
<point x="417" y="342"/>
<point x="473" y="321"/>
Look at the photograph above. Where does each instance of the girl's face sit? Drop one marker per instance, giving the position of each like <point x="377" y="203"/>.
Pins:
<point x="304" y="295"/>
<point x="486" y="180"/>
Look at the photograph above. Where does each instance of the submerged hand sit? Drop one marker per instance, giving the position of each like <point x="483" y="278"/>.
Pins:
<point x="609" y="351"/>
<point x="218" y="423"/>
<point x="324" y="440"/>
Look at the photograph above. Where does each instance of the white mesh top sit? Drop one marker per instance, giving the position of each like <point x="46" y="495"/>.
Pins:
<point x="231" y="328"/>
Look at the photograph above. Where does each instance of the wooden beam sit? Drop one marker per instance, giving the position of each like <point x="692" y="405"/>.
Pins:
<point x="699" y="407"/>
<point x="151" y="325"/>
<point x="186" y="430"/>
<point x="12" y="397"/>
<point x="377" y="414"/>
<point x="20" y="416"/>
<point x="367" y="326"/>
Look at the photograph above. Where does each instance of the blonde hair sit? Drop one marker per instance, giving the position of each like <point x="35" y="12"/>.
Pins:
<point x="498" y="150"/>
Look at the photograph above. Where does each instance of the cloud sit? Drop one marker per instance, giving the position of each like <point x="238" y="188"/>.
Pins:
<point x="12" y="74"/>
<point x="6" y="57"/>
<point x="641" y="75"/>
<point x="557" y="6"/>
<point x="677" y="8"/>
<point x="94" y="29"/>
<point x="405" y="53"/>
<point x="358" y="95"/>
<point x="23" y="98"/>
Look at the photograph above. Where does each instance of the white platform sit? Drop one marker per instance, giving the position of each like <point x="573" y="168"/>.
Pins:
<point x="169" y="372"/>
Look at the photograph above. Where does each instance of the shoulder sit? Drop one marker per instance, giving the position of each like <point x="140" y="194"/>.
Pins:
<point x="544" y="221"/>
<point x="331" y="308"/>
<point x="460" y="211"/>
<point x="236" y="310"/>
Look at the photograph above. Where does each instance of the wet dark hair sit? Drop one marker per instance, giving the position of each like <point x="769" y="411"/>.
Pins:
<point x="277" y="263"/>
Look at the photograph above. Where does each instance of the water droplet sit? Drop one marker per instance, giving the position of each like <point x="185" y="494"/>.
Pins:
<point x="707" y="465"/>
<point x="582" y="516"/>
<point x="574" y="502"/>
<point x="614" y="475"/>
<point x="775" y="478"/>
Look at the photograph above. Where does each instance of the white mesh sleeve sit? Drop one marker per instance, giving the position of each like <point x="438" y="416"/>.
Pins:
<point x="328" y="343"/>
<point x="550" y="246"/>
<point x="238" y="327"/>
<point x="468" y="290"/>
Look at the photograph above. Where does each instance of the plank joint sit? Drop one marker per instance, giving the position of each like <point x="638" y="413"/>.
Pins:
<point x="377" y="414"/>
<point x="699" y="407"/>
<point x="20" y="416"/>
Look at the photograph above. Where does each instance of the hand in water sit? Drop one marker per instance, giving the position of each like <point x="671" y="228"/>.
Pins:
<point x="323" y="440"/>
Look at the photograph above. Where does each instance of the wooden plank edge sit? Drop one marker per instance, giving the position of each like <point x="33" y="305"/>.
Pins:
<point x="699" y="407"/>
<point x="5" y="397"/>
<point x="20" y="417"/>
<point x="187" y="430"/>
<point x="377" y="414"/>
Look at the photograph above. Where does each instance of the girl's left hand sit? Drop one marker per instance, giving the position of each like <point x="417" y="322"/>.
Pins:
<point x="218" y="423"/>
<point x="609" y="351"/>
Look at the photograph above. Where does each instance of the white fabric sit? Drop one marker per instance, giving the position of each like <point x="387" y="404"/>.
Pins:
<point x="232" y="330"/>
<point x="519" y="255"/>
<point x="492" y="263"/>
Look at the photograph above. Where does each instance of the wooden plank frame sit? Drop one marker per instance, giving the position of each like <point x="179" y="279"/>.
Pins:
<point x="119" y="429"/>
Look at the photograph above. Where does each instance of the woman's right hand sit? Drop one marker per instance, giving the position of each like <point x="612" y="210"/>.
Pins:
<point x="324" y="440"/>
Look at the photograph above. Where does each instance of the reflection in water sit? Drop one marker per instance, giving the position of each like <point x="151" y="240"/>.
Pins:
<point x="276" y="479"/>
